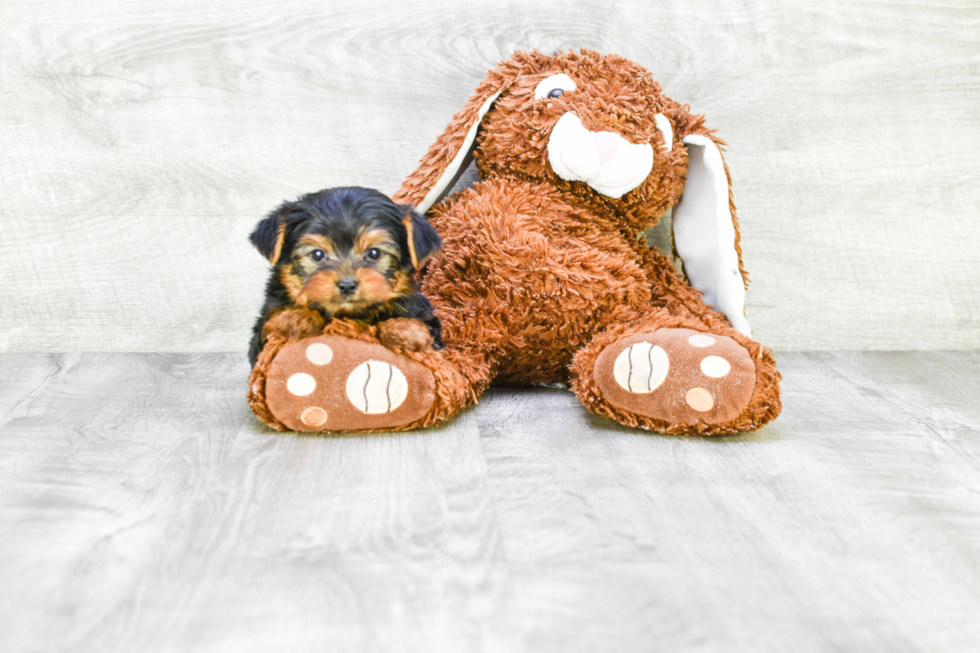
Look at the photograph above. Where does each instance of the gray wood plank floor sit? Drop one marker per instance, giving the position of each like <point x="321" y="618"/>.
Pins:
<point x="143" y="508"/>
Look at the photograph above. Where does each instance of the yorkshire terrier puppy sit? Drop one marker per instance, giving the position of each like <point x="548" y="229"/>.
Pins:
<point x="347" y="253"/>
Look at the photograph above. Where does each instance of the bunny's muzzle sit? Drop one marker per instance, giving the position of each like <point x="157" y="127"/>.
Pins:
<point x="606" y="161"/>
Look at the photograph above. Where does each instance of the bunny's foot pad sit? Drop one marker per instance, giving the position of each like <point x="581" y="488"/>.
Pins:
<point x="679" y="376"/>
<point x="332" y="383"/>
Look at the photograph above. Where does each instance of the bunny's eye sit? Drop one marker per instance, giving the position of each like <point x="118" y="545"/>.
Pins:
<point x="554" y="86"/>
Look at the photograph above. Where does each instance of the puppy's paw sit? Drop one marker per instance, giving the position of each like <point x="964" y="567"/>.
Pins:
<point x="405" y="334"/>
<point x="293" y="323"/>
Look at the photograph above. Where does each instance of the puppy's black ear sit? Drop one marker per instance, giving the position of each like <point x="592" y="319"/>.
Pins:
<point x="423" y="241"/>
<point x="270" y="234"/>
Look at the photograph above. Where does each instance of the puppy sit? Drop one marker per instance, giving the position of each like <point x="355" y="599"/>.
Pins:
<point x="348" y="253"/>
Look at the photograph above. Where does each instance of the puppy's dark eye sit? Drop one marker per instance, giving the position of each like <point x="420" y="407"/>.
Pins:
<point x="317" y="254"/>
<point x="556" y="92"/>
<point x="373" y="254"/>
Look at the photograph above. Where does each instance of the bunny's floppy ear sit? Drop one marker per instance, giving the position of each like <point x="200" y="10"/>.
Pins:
<point x="706" y="229"/>
<point x="452" y="152"/>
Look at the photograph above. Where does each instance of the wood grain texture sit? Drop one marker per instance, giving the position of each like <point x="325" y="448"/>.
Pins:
<point x="142" y="508"/>
<point x="142" y="141"/>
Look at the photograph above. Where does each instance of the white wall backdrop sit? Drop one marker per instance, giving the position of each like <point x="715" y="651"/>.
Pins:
<point x="140" y="142"/>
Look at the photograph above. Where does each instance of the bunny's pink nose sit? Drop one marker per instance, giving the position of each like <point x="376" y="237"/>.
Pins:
<point x="608" y="145"/>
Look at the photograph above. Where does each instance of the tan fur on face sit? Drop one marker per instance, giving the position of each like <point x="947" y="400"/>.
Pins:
<point x="404" y="283"/>
<point x="321" y="289"/>
<point x="373" y="289"/>
<point x="377" y="238"/>
<point x="302" y="263"/>
<point x="372" y="286"/>
<point x="308" y="283"/>
<point x="293" y="284"/>
<point x="316" y="241"/>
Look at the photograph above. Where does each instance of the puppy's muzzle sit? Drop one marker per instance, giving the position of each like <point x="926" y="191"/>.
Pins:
<point x="347" y="286"/>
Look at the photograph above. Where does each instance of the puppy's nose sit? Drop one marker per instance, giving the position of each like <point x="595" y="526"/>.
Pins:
<point x="347" y="286"/>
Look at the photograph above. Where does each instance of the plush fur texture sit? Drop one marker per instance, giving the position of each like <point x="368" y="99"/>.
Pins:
<point x="450" y="387"/>
<point x="342" y="253"/>
<point x="537" y="274"/>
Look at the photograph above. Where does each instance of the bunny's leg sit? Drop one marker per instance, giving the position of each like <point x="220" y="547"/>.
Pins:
<point x="680" y="369"/>
<point x="353" y="377"/>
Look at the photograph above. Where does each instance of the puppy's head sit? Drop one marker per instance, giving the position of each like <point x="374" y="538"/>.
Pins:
<point x="345" y="250"/>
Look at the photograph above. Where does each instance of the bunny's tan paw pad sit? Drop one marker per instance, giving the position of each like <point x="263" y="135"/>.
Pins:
<point x="333" y="383"/>
<point x="680" y="376"/>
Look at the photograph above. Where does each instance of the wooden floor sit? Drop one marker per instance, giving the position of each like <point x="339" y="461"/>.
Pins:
<point x="143" y="508"/>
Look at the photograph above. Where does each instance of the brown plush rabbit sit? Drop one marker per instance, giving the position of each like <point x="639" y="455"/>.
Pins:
<point x="542" y="277"/>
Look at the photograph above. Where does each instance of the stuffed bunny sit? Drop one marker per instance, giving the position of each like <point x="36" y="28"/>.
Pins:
<point x="542" y="277"/>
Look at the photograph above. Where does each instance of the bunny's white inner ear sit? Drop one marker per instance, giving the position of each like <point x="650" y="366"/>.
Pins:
<point x="704" y="233"/>
<point x="458" y="165"/>
<point x="663" y="124"/>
